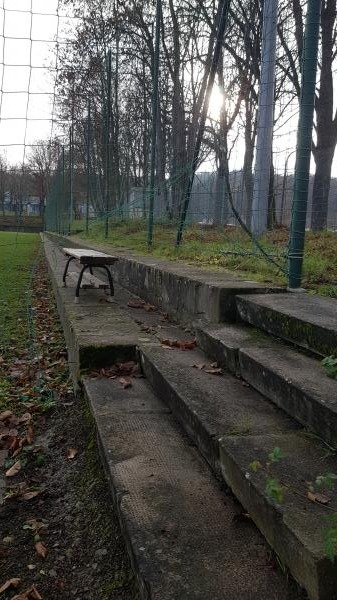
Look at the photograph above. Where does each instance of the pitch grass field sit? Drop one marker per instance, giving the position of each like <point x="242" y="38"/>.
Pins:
<point x="19" y="252"/>
<point x="229" y="249"/>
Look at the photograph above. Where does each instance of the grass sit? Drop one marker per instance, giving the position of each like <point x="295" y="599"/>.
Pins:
<point x="18" y="253"/>
<point x="207" y="247"/>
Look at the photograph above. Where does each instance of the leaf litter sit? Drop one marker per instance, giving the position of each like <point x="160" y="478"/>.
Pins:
<point x="37" y="422"/>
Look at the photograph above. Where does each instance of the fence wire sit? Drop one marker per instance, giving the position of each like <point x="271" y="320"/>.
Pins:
<point x="83" y="161"/>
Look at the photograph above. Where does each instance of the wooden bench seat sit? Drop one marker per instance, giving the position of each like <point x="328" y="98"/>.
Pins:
<point x="88" y="259"/>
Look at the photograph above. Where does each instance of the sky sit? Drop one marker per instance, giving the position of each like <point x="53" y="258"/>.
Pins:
<point x="28" y="33"/>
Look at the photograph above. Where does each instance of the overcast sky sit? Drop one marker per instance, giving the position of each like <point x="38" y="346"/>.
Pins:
<point x="28" y="30"/>
<point x="28" y="33"/>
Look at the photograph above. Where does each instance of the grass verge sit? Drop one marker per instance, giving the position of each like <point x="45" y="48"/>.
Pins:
<point x="227" y="249"/>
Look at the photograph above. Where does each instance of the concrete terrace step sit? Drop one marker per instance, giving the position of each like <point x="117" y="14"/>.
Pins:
<point x="308" y="321"/>
<point x="295" y="382"/>
<point x="182" y="532"/>
<point x="185" y="292"/>
<point x="233" y="425"/>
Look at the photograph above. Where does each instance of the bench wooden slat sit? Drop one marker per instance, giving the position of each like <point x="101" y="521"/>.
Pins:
<point x="90" y="257"/>
<point x="88" y="281"/>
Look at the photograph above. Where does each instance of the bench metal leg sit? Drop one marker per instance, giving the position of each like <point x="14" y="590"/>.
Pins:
<point x="112" y="291"/>
<point x="79" y="281"/>
<point x="66" y="270"/>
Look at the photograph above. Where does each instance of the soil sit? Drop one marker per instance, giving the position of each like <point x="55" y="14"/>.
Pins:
<point x="59" y="533"/>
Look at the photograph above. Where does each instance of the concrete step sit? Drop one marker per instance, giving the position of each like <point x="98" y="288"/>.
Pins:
<point x="233" y="426"/>
<point x="182" y="531"/>
<point x="308" y="321"/>
<point x="295" y="382"/>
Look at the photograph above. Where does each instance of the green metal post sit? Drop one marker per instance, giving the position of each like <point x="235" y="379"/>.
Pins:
<point x="63" y="189"/>
<point x="154" y="124"/>
<point x="304" y="141"/>
<point x="108" y="142"/>
<point x="71" y="208"/>
<point x="88" y="168"/>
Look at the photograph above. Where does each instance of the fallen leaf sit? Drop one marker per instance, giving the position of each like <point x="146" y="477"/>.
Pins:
<point x="186" y="344"/>
<point x="317" y="497"/>
<point x="30" y="495"/>
<point x="150" y="308"/>
<point x="136" y="304"/>
<point x="31" y="593"/>
<point x="199" y="366"/>
<point x="41" y="549"/>
<point x="71" y="453"/>
<point x="181" y="344"/>
<point x="214" y="371"/>
<point x="35" y="594"/>
<point x="14" y="582"/>
<point x="25" y="418"/>
<point x="14" y="470"/>
<point x="126" y="383"/>
<point x="7" y="414"/>
<point x="30" y="435"/>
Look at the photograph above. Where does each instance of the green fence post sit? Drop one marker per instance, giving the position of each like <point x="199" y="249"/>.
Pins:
<point x="154" y="123"/>
<point x="107" y="164"/>
<point x="88" y="168"/>
<point x="304" y="141"/>
<point x="71" y="207"/>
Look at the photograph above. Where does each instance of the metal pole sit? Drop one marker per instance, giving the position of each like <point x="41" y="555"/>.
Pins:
<point x="107" y="129"/>
<point x="63" y="189"/>
<point x="71" y="209"/>
<point x="154" y="124"/>
<point x="88" y="168"/>
<point x="265" y="119"/>
<point x="304" y="141"/>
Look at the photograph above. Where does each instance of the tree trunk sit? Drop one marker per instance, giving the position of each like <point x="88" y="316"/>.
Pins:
<point x="321" y="189"/>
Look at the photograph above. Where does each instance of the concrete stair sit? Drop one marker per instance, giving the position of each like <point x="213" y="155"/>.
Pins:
<point x="308" y="321"/>
<point x="294" y="381"/>
<point x="183" y="532"/>
<point x="233" y="426"/>
<point x="160" y="484"/>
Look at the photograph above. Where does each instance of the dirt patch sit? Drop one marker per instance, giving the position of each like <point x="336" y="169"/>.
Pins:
<point x="58" y="529"/>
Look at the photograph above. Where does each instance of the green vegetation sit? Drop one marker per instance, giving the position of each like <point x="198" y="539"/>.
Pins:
<point x="330" y="365"/>
<point x="18" y="254"/>
<point x="229" y="249"/>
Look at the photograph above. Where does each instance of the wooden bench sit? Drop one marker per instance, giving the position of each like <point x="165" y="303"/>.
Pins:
<point x="89" y="259"/>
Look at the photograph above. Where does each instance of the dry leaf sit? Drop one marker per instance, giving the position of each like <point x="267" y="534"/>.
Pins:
<point x="186" y="344"/>
<point x="150" y="307"/>
<point x="31" y="593"/>
<point x="199" y="366"/>
<point x="136" y="304"/>
<point x="41" y="549"/>
<point x="14" y="470"/>
<point x="26" y="418"/>
<point x="317" y="497"/>
<point x="71" y="453"/>
<point x="126" y="383"/>
<point x="30" y="495"/>
<point x="30" y="435"/>
<point x="34" y="593"/>
<point x="214" y="371"/>
<point x="7" y="414"/>
<point x="10" y="583"/>
<point x="181" y="344"/>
